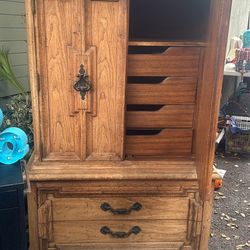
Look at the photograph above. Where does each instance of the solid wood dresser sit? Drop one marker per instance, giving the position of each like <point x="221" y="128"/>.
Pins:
<point x="125" y="102"/>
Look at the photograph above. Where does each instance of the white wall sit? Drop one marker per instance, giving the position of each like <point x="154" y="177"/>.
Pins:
<point x="239" y="18"/>
<point x="238" y="24"/>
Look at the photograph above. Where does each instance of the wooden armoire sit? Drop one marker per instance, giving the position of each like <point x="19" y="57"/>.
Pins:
<point x="125" y="103"/>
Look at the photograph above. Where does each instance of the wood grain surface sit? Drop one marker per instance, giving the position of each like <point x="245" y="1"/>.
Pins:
<point x="74" y="209"/>
<point x="169" y="116"/>
<point x="122" y="246"/>
<point x="151" y="231"/>
<point x="182" y="169"/>
<point x="58" y="69"/>
<point x="167" y="142"/>
<point x="209" y="92"/>
<point x="174" y="61"/>
<point x="106" y="130"/>
<point x="172" y="90"/>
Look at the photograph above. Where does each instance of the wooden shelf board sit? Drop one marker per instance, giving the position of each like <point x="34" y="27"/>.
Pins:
<point x="116" y="170"/>
<point x="167" y="43"/>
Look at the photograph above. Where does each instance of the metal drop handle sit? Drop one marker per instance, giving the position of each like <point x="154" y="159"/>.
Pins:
<point x="121" y="211"/>
<point x="83" y="84"/>
<point x="134" y="230"/>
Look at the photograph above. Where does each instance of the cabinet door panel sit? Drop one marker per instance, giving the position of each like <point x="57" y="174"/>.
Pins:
<point x="71" y="33"/>
<point x="60" y="25"/>
<point x="107" y="22"/>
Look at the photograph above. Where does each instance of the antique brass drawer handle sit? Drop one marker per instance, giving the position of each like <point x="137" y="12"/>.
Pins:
<point x="135" y="207"/>
<point x="134" y="230"/>
<point x="83" y="84"/>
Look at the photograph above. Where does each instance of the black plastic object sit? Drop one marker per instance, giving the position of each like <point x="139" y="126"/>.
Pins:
<point x="12" y="209"/>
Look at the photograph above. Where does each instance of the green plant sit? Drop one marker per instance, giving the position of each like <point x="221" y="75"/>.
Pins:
<point x="6" y="72"/>
<point x="18" y="110"/>
<point x="18" y="113"/>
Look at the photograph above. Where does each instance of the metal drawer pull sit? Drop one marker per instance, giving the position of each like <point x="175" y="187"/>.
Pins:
<point x="106" y="207"/>
<point x="83" y="84"/>
<point x="134" y="230"/>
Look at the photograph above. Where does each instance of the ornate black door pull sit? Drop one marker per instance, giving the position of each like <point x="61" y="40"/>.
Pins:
<point x="134" y="230"/>
<point x="83" y="84"/>
<point x="106" y="207"/>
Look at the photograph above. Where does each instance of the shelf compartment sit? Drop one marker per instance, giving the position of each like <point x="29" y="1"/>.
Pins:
<point x="172" y="90"/>
<point x="169" y="19"/>
<point x="167" y="142"/>
<point x="173" y="61"/>
<point x="173" y="116"/>
<point x="168" y="43"/>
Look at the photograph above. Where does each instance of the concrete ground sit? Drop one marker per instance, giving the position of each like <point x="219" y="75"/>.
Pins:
<point x="231" y="213"/>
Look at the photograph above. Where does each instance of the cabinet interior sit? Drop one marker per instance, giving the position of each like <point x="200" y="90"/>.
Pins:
<point x="166" y="39"/>
<point x="168" y="19"/>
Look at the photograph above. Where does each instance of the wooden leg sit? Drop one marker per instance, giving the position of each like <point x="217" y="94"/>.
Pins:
<point x="32" y="214"/>
<point x="206" y="223"/>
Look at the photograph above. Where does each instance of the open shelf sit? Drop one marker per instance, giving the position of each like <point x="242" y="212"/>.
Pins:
<point x="141" y="42"/>
<point x="165" y="48"/>
<point x="177" y="20"/>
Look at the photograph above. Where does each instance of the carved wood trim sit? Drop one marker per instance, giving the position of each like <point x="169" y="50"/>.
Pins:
<point x="194" y="222"/>
<point x="115" y="189"/>
<point x="45" y="219"/>
<point x="90" y="65"/>
<point x="90" y="60"/>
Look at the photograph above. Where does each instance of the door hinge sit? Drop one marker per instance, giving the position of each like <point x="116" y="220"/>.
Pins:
<point x="33" y="6"/>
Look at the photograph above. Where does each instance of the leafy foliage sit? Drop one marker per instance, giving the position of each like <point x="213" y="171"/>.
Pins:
<point x="6" y="72"/>
<point x="18" y="110"/>
<point x="18" y="113"/>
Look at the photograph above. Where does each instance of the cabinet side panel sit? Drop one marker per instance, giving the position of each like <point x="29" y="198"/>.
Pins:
<point x="209" y="92"/>
<point x="108" y="32"/>
<point x="32" y="53"/>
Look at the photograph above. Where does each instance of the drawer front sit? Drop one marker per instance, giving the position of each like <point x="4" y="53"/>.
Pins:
<point x="83" y="217"/>
<point x="173" y="61"/>
<point x="120" y="231"/>
<point x="157" y="119"/>
<point x="167" y="90"/>
<point x="166" y="142"/>
<point x="114" y="208"/>
<point x="122" y="246"/>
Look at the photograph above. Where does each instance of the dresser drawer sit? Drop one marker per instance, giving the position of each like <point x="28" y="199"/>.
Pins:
<point x="80" y="215"/>
<point x="164" y="142"/>
<point x="120" y="208"/>
<point x="157" y="119"/>
<point x="122" y="246"/>
<point x="120" y="231"/>
<point x="163" y="91"/>
<point x="163" y="61"/>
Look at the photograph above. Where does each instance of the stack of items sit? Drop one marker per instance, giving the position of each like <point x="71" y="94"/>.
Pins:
<point x="243" y="60"/>
<point x="238" y="135"/>
<point x="238" y="107"/>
